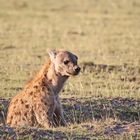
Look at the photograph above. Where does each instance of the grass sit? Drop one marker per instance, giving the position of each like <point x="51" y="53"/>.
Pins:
<point x="103" y="102"/>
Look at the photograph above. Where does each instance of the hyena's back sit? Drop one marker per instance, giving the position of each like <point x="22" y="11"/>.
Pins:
<point x="20" y="111"/>
<point x="23" y="107"/>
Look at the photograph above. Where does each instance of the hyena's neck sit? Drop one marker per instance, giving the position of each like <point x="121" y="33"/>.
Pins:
<point x="55" y="80"/>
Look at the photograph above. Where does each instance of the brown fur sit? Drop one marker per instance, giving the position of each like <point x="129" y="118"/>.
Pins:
<point x="39" y="103"/>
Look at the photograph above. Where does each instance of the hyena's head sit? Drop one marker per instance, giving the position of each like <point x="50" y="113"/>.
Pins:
<point x="65" y="63"/>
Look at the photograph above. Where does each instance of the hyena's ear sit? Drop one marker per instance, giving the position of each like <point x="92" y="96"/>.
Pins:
<point x="76" y="57"/>
<point x="52" y="54"/>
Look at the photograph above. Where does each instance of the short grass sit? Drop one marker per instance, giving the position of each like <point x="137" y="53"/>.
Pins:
<point x="103" y="102"/>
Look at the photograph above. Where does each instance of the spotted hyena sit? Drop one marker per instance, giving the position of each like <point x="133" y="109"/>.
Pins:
<point x="39" y="103"/>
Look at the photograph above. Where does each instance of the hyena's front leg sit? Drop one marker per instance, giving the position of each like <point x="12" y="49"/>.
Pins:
<point x="58" y="116"/>
<point x="44" y="114"/>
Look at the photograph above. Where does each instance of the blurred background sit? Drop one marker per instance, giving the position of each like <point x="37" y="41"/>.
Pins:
<point x="99" y="32"/>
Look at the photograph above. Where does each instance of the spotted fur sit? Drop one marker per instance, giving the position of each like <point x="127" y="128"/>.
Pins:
<point x="38" y="104"/>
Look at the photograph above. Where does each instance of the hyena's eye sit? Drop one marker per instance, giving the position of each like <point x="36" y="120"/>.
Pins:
<point x="66" y="62"/>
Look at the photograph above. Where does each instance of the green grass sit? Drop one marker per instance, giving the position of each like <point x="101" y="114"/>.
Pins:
<point x="106" y="37"/>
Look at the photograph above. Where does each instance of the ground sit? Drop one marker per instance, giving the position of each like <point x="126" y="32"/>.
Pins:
<point x="104" y="100"/>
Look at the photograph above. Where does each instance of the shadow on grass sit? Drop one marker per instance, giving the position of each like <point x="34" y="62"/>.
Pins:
<point x="7" y="133"/>
<point x="88" y="109"/>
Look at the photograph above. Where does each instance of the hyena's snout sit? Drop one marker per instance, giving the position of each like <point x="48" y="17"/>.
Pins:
<point x="76" y="70"/>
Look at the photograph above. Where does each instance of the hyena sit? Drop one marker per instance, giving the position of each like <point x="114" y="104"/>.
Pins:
<point x="38" y="104"/>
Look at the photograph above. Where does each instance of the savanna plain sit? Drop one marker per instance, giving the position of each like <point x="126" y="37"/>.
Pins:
<point x="103" y="101"/>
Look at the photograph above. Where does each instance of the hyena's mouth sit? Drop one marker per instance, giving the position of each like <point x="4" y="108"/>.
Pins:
<point x="73" y="73"/>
